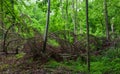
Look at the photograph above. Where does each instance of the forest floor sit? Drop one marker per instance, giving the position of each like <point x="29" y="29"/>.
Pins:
<point x="107" y="62"/>
<point x="22" y="63"/>
<point x="19" y="64"/>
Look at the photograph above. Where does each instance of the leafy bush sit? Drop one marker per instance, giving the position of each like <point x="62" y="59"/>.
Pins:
<point x="52" y="64"/>
<point x="108" y="62"/>
<point x="112" y="53"/>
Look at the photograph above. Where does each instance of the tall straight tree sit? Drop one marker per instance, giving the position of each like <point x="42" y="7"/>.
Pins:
<point x="2" y="21"/>
<point x="66" y="15"/>
<point x="13" y="17"/>
<point x="47" y="25"/>
<point x="74" y="7"/>
<point x="88" y="51"/>
<point x="12" y="6"/>
<point x="76" y="17"/>
<point x="61" y="6"/>
<point x="106" y="19"/>
<point x="73" y="19"/>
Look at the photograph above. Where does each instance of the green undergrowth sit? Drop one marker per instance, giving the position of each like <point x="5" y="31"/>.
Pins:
<point x="106" y="63"/>
<point x="103" y="64"/>
<point x="72" y="66"/>
<point x="20" y="55"/>
<point x="106" y="66"/>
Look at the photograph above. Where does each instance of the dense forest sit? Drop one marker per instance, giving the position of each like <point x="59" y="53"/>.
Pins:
<point x="59" y="36"/>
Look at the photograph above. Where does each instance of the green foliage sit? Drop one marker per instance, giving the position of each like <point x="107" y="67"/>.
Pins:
<point x="53" y="64"/>
<point x="30" y="18"/>
<point x="37" y="15"/>
<point x="97" y="67"/>
<point x="112" y="53"/>
<point x="106" y="65"/>
<point x="20" y="55"/>
<point x="53" y="42"/>
<point x="102" y="65"/>
<point x="76" y="66"/>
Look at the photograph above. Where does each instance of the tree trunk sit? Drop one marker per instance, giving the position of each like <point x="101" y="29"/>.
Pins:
<point x="66" y="25"/>
<point x="2" y="20"/>
<point x="88" y="51"/>
<point x="106" y="19"/>
<point x="74" y="18"/>
<point x="46" y="29"/>
<point x="13" y="18"/>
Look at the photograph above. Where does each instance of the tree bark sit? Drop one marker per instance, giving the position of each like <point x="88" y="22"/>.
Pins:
<point x="2" y="20"/>
<point x="13" y="18"/>
<point x="106" y="19"/>
<point x="66" y="15"/>
<point x="88" y="47"/>
<point x="46" y="29"/>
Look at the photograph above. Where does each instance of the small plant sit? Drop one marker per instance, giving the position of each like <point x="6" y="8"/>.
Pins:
<point x="20" y="55"/>
<point x="52" y="64"/>
<point x="53" y="42"/>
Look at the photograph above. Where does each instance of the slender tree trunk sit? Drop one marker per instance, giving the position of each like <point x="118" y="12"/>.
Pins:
<point x="75" y="27"/>
<point x="2" y="24"/>
<point x="61" y="6"/>
<point x="12" y="3"/>
<point x="46" y="29"/>
<point x="112" y="27"/>
<point x="106" y="19"/>
<point x="13" y="20"/>
<point x="74" y="7"/>
<point x="2" y="19"/>
<point x="62" y="11"/>
<point x="79" y="3"/>
<point x="66" y="25"/>
<point x="88" y="51"/>
<point x="73" y="18"/>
